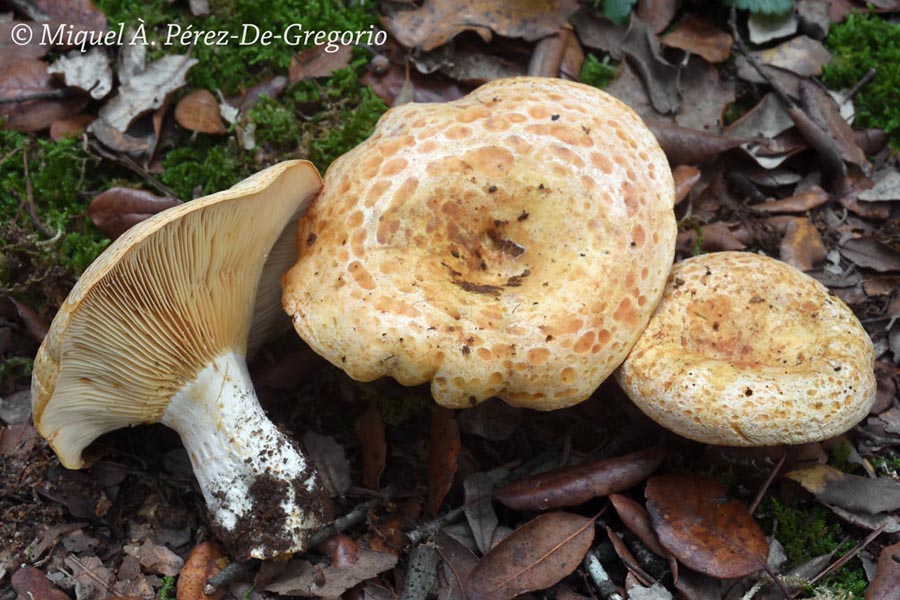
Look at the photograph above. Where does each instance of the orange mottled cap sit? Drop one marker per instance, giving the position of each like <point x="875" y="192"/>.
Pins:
<point x="511" y="243"/>
<point x="745" y="350"/>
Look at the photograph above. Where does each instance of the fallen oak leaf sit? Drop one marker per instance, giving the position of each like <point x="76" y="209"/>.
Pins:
<point x="117" y="209"/>
<point x="30" y="100"/>
<point x="850" y="492"/>
<point x="704" y="530"/>
<point x="535" y="556"/>
<point x="887" y="574"/>
<point x="302" y="578"/>
<point x="683" y="145"/>
<point x="699" y="36"/>
<point x="199" y="111"/>
<point x="574" y="485"/>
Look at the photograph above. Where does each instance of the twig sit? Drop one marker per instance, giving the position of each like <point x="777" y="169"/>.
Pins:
<point x="765" y="486"/>
<point x="421" y="575"/>
<point x="352" y="518"/>
<point x="231" y="572"/>
<point x="51" y="95"/>
<point x="869" y="76"/>
<point x="29" y="200"/>
<point x="127" y="162"/>
<point x="599" y="576"/>
<point x="846" y="557"/>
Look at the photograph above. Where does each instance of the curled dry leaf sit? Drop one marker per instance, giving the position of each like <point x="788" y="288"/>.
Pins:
<point x="637" y="520"/>
<point x="199" y="111"/>
<point x="302" y="578"/>
<point x="684" y="146"/>
<point x="657" y="14"/>
<point x="369" y="429"/>
<point x="801" y="55"/>
<point x="533" y="557"/>
<point x="686" y="177"/>
<point x="699" y="36"/>
<point x="642" y="50"/>
<point x="808" y="199"/>
<point x="869" y="253"/>
<point x="887" y="575"/>
<point x="444" y="445"/>
<point x="702" y="528"/>
<point x="117" y="209"/>
<point x="458" y="564"/>
<point x="571" y="486"/>
<point x="88" y="71"/>
<point x="706" y="96"/>
<point x="436" y="22"/>
<point x="204" y="561"/>
<point x="802" y="247"/>
<point x="850" y="492"/>
<point x="479" y="510"/>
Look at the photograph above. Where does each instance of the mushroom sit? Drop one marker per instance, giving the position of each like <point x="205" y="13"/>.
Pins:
<point x="746" y="350"/>
<point x="511" y="243"/>
<point x="156" y="330"/>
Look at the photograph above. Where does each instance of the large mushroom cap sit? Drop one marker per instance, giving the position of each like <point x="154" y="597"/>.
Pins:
<point x="745" y="350"/>
<point x="511" y="243"/>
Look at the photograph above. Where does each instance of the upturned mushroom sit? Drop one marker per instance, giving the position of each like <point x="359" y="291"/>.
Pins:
<point x="157" y="329"/>
<point x="745" y="350"/>
<point x="511" y="243"/>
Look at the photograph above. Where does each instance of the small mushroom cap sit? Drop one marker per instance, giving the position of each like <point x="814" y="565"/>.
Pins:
<point x="511" y="243"/>
<point x="745" y="350"/>
<point x="167" y="297"/>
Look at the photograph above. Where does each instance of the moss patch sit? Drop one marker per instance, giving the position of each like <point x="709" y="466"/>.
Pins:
<point x="596" y="72"/>
<point x="866" y="42"/>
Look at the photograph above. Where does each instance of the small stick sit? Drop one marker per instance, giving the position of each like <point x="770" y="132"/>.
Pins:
<point x="421" y="575"/>
<point x="231" y="572"/>
<point x="846" y="557"/>
<point x="354" y="517"/>
<point x="600" y="577"/>
<point x="759" y="495"/>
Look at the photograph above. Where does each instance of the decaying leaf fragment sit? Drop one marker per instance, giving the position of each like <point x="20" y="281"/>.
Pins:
<point x="437" y="21"/>
<point x="117" y="209"/>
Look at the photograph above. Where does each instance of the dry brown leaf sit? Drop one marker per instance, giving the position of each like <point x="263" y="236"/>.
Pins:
<point x="302" y="578"/>
<point x="471" y="66"/>
<point x="685" y="146"/>
<point x="853" y="493"/>
<point x="657" y="14"/>
<point x="34" y="324"/>
<point x="801" y="55"/>
<point x="574" y="485"/>
<point x="767" y="119"/>
<point x="11" y="52"/>
<point x="869" y="253"/>
<point x="702" y="528"/>
<point x="534" y="557"/>
<point x="436" y="22"/>
<point x="802" y="247"/>
<point x="117" y="209"/>
<point x="82" y="15"/>
<point x="70" y="126"/>
<point x="705" y="96"/>
<point x="204" y="561"/>
<point x="18" y="439"/>
<point x="315" y="61"/>
<point x="824" y="112"/>
<point x="156" y="558"/>
<point x="661" y="79"/>
<point x="699" y="36"/>
<point x="686" y="177"/>
<point x="88" y="71"/>
<point x="458" y="565"/>
<point x="33" y="100"/>
<point x="199" y="111"/>
<point x="444" y="444"/>
<point x="369" y="429"/>
<point x="636" y="518"/>
<point x="480" y="515"/>
<point x="30" y="582"/>
<point x="330" y="460"/>
<point x="887" y="575"/>
<point x="808" y="199"/>
<point x="599" y="32"/>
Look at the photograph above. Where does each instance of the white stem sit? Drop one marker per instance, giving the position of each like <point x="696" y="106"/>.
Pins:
<point x="263" y="496"/>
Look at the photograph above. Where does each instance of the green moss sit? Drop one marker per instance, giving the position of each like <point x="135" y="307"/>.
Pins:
<point x="596" y="72"/>
<point x="807" y="531"/>
<point x="205" y="166"/>
<point x="167" y="591"/>
<point x="278" y="126"/>
<point x="225" y="67"/>
<point x="861" y="43"/>
<point x="60" y="174"/>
